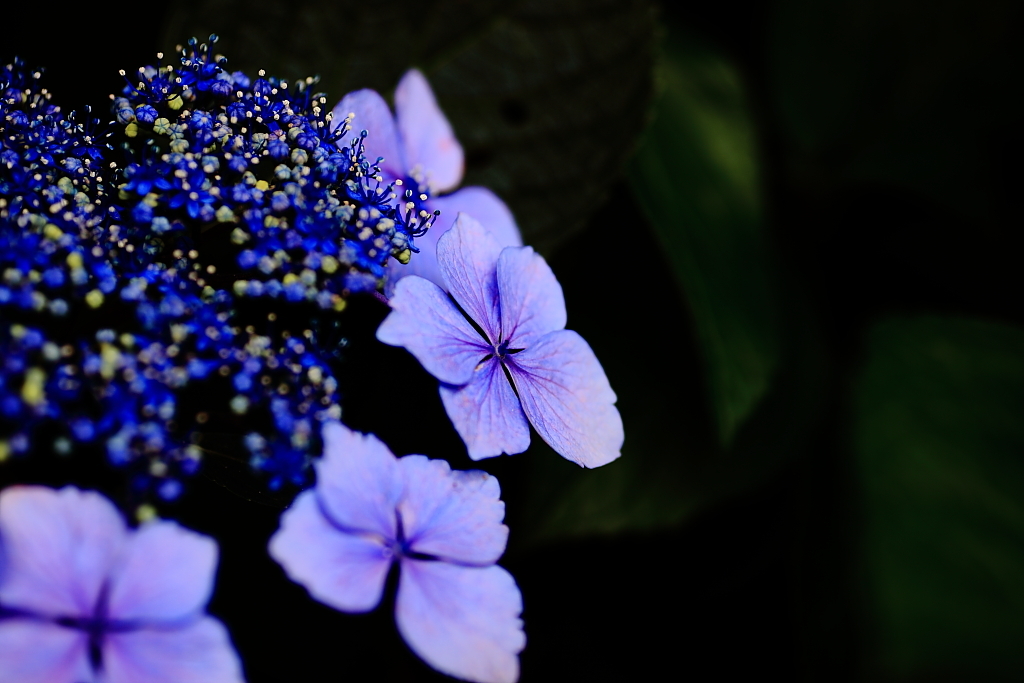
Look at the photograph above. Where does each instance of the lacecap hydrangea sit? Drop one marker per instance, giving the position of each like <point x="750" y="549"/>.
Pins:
<point x="182" y="269"/>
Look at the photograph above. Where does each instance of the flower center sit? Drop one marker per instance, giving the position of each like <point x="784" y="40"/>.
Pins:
<point x="396" y="548"/>
<point x="96" y="627"/>
<point x="401" y="546"/>
<point x="502" y="349"/>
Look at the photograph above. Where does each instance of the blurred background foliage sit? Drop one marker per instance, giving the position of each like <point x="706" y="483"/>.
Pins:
<point x="527" y="85"/>
<point x="787" y="229"/>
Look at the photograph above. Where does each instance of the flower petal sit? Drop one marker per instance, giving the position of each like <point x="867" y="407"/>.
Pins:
<point x="424" y="321"/>
<point x="463" y="621"/>
<point x="487" y="414"/>
<point x="358" y="481"/>
<point x="198" y="653"/>
<point x="166" y="572"/>
<point x="34" y="651"/>
<point x="373" y="116"/>
<point x="342" y="570"/>
<point x="566" y="395"/>
<point x="59" y="548"/>
<point x="427" y="138"/>
<point x="468" y="258"/>
<point x="532" y="303"/>
<point x="455" y="515"/>
<point x="477" y="202"/>
<point x="480" y="204"/>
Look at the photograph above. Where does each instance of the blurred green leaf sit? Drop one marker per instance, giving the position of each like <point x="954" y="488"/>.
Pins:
<point x="696" y="176"/>
<point x="910" y="93"/>
<point x="709" y="294"/>
<point x="546" y="96"/>
<point x="673" y="464"/>
<point x="939" y="425"/>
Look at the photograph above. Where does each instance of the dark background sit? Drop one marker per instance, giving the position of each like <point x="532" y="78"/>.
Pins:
<point x="887" y="142"/>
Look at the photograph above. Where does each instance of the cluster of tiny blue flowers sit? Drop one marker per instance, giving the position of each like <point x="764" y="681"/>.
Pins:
<point x="50" y="212"/>
<point x="164" y="277"/>
<point x="251" y="173"/>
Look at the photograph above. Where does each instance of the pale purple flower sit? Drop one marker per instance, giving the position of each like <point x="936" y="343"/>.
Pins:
<point x="418" y="145"/>
<point x="499" y="346"/>
<point x="455" y="608"/>
<point x="84" y="599"/>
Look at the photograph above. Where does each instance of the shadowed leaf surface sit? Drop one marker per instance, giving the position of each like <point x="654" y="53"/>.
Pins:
<point x="940" y="444"/>
<point x="547" y="97"/>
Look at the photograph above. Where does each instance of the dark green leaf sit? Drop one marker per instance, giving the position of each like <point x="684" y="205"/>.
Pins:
<point x="696" y="176"/>
<point x="940" y="447"/>
<point x="546" y="96"/>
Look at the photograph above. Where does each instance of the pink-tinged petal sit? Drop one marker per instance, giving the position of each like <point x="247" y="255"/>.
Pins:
<point x="200" y="652"/>
<point x="426" y="322"/>
<point x="34" y="651"/>
<point x="468" y="258"/>
<point x="59" y="548"/>
<point x="463" y="621"/>
<point x="345" y="571"/>
<point x="358" y="481"/>
<point x="566" y="395"/>
<point x="455" y="515"/>
<point x="427" y="138"/>
<point x="373" y="116"/>
<point x="532" y="303"/>
<point x="476" y="202"/>
<point x="165" y="573"/>
<point x="486" y="413"/>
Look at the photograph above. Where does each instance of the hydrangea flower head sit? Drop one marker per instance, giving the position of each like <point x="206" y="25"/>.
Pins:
<point x="499" y="346"/>
<point x="418" y="149"/>
<point x="288" y="210"/>
<point x="455" y="607"/>
<point x="83" y="598"/>
<point x="202" y="260"/>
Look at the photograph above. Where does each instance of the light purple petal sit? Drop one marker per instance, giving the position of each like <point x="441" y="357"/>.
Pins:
<point x="358" y="481"/>
<point x="532" y="303"/>
<point x="480" y="204"/>
<point x="41" y="652"/>
<point x="476" y="202"/>
<point x="487" y="414"/>
<point x="468" y="258"/>
<point x="455" y="515"/>
<point x="427" y="138"/>
<point x="373" y="116"/>
<point x="566" y="395"/>
<point x="426" y="322"/>
<point x="463" y="621"/>
<point x="345" y="571"/>
<point x="166" y="572"/>
<point x="198" y="653"/>
<point x="59" y="548"/>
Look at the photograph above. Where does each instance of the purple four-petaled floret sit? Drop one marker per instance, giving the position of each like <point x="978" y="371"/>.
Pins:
<point x="84" y="598"/>
<point x="455" y="607"/>
<point x="499" y="346"/>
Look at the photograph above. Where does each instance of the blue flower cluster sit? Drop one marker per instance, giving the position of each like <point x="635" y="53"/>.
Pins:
<point x="51" y="213"/>
<point x="255" y="170"/>
<point x="163" y="277"/>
